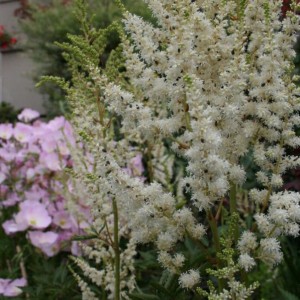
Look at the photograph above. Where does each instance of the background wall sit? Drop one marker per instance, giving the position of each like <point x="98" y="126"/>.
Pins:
<point x="16" y="86"/>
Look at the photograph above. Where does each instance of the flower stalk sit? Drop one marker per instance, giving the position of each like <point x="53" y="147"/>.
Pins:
<point x="116" y="250"/>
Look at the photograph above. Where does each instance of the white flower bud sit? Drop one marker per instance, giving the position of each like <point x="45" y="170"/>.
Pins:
<point x="246" y="262"/>
<point x="189" y="279"/>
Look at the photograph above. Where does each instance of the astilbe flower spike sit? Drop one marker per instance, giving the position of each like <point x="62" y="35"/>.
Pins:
<point x="210" y="84"/>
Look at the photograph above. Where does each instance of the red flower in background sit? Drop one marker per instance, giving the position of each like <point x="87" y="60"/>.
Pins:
<point x="6" y="40"/>
<point x="13" y="41"/>
<point x="286" y="6"/>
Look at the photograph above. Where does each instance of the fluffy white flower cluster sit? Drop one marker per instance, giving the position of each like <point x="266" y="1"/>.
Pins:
<point x="225" y="85"/>
<point x="214" y="78"/>
<point x="189" y="279"/>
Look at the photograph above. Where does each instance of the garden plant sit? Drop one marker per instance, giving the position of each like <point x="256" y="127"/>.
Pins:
<point x="208" y="96"/>
<point x="181" y="148"/>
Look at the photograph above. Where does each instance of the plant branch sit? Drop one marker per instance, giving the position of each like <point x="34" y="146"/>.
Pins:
<point x="116" y="250"/>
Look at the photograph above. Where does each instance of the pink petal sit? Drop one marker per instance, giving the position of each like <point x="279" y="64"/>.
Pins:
<point x="10" y="227"/>
<point x="3" y="284"/>
<point x="6" y="131"/>
<point x="28" y="115"/>
<point x="23" y="132"/>
<point x="46" y="241"/>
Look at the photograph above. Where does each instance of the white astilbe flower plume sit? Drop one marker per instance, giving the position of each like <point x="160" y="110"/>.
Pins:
<point x="246" y="262"/>
<point x="189" y="279"/>
<point x="207" y="86"/>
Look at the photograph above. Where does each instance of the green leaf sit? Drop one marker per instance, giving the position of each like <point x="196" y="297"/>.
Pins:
<point x="287" y="295"/>
<point x="143" y="296"/>
<point x="84" y="237"/>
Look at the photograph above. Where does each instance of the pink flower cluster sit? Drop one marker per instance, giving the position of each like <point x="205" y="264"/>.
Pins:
<point x="11" y="288"/>
<point x="32" y="155"/>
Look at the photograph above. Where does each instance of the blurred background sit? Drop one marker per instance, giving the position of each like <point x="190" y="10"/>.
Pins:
<point x="16" y="66"/>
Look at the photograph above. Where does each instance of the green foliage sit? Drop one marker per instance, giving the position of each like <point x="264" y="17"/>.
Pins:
<point x="8" y="114"/>
<point x="289" y="272"/>
<point x="51" y="279"/>
<point x="50" y="24"/>
<point x="48" y="278"/>
<point x="288" y="296"/>
<point x="153" y="282"/>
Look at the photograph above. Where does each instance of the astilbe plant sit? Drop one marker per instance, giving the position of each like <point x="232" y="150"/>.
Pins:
<point x="211" y="84"/>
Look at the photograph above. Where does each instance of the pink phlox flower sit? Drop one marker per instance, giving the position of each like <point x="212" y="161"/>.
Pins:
<point x="33" y="149"/>
<point x="4" y="167"/>
<point x="10" y="227"/>
<point x="54" y="206"/>
<point x="11" y="200"/>
<point x="57" y="124"/>
<point x="12" y="288"/>
<point x="62" y="126"/>
<point x="49" y="144"/>
<point x="35" y="193"/>
<point x="62" y="219"/>
<point x="8" y="154"/>
<point x="23" y="133"/>
<point x="28" y="115"/>
<point x="76" y="249"/>
<point x="30" y="173"/>
<point x="6" y="131"/>
<point x="63" y="148"/>
<point x="51" y="161"/>
<point x="41" y="130"/>
<point x="19" y="186"/>
<point x="65" y="235"/>
<point x="3" y="285"/>
<point x="35" y="174"/>
<point x="20" y="157"/>
<point x="33" y="214"/>
<point x="46" y="241"/>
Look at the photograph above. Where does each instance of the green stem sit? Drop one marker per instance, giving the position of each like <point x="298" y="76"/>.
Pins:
<point x="244" y="277"/>
<point x="214" y="229"/>
<point x="116" y="250"/>
<point x="233" y="207"/>
<point x="187" y="114"/>
<point x="149" y="162"/>
<point x="232" y="198"/>
<point x="169" y="281"/>
<point x="266" y="201"/>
